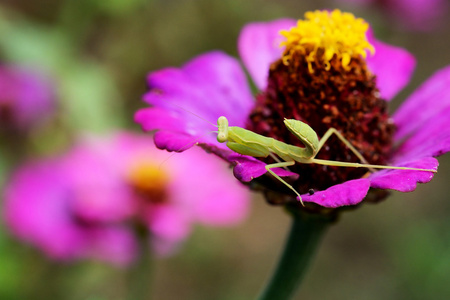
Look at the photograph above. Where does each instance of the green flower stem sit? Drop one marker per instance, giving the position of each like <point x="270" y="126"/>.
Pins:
<point x="140" y="273"/>
<point x="306" y="233"/>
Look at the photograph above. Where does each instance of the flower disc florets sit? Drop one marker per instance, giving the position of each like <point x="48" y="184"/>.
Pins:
<point x="340" y="93"/>
<point x="324" y="35"/>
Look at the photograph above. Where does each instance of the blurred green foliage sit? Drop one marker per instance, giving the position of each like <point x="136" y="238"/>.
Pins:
<point x="98" y="53"/>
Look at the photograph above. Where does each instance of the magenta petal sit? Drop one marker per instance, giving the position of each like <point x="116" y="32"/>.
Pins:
<point x="36" y="210"/>
<point x="392" y="65"/>
<point x="210" y="85"/>
<point x="206" y="186"/>
<point x="259" y="46"/>
<point x="420" y="144"/>
<point x="175" y="136"/>
<point x="155" y="118"/>
<point x="28" y="94"/>
<point x="348" y="193"/>
<point x="422" y="15"/>
<point x="173" y="141"/>
<point x="169" y="227"/>
<point x="405" y="180"/>
<point x="422" y="107"/>
<point x="247" y="168"/>
<point x="188" y="101"/>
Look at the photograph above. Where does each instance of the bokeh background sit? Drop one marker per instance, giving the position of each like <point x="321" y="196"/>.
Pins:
<point x="98" y="54"/>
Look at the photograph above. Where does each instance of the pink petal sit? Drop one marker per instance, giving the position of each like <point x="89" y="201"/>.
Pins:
<point x="423" y="15"/>
<point x="155" y="118"/>
<point x="348" y="193"/>
<point x="405" y="180"/>
<point x="248" y="168"/>
<point x="188" y="101"/>
<point x="98" y="190"/>
<point x="28" y="93"/>
<point x="169" y="226"/>
<point x="169" y="222"/>
<point x="259" y="46"/>
<point x="392" y="65"/>
<point x="178" y="141"/>
<point x="203" y="185"/>
<point x="431" y="139"/>
<point x="210" y="85"/>
<point x="422" y="107"/>
<point x="36" y="209"/>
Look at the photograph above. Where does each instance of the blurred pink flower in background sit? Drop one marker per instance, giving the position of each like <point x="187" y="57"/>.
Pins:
<point x="26" y="97"/>
<point x="93" y="201"/>
<point x="420" y="15"/>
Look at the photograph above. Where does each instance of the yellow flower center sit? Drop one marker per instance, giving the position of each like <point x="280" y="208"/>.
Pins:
<point x="323" y="35"/>
<point x="149" y="181"/>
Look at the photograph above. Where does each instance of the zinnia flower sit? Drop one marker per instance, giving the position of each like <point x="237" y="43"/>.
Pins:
<point x="325" y="75"/>
<point x="26" y="97"/>
<point x="94" y="200"/>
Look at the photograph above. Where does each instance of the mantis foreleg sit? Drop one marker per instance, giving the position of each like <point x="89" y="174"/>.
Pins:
<point x="282" y="165"/>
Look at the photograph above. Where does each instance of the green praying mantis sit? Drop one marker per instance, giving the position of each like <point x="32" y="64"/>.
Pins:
<point x="246" y="142"/>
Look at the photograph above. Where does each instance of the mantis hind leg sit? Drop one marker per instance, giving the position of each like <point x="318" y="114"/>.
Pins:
<point x="282" y="165"/>
<point x="356" y="165"/>
<point x="364" y="164"/>
<point x="328" y="134"/>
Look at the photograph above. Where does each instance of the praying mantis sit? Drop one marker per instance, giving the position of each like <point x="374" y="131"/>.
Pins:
<point x="246" y="142"/>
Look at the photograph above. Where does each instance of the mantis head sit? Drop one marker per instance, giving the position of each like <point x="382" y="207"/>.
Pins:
<point x="222" y="135"/>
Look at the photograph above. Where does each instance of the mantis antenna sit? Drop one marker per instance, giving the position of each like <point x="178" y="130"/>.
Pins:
<point x="185" y="147"/>
<point x="194" y="114"/>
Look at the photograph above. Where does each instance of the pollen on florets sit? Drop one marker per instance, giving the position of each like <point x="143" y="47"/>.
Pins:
<point x="324" y="35"/>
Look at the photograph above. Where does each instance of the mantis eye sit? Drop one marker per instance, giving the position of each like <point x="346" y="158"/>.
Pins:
<point x="221" y="137"/>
